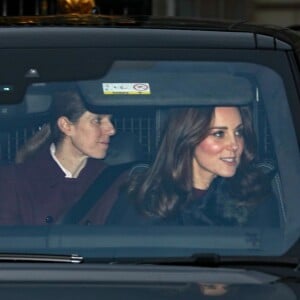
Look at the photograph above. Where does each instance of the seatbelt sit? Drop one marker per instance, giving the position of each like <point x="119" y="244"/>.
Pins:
<point x="93" y="194"/>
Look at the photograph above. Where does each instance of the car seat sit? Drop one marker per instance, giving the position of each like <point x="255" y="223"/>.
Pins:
<point x="124" y="148"/>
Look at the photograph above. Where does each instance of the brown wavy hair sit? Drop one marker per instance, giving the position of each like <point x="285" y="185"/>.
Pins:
<point x="169" y="181"/>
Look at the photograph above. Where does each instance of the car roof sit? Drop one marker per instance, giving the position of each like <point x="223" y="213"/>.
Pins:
<point x="259" y="36"/>
<point x="31" y="34"/>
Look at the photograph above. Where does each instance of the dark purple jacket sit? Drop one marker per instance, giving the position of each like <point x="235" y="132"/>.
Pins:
<point x="36" y="192"/>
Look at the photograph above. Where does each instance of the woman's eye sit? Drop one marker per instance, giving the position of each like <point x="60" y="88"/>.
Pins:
<point x="97" y="120"/>
<point x="239" y="132"/>
<point x="218" y="133"/>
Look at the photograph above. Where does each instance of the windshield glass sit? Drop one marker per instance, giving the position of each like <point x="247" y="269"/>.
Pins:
<point x="153" y="158"/>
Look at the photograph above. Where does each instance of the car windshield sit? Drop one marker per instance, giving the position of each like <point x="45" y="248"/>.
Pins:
<point x="148" y="150"/>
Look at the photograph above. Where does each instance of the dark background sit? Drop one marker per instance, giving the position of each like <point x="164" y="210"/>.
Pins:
<point x="277" y="12"/>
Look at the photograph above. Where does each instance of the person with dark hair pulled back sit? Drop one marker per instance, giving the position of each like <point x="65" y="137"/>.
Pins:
<point x="57" y="165"/>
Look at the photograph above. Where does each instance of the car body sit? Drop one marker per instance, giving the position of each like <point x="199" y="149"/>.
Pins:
<point x="136" y="68"/>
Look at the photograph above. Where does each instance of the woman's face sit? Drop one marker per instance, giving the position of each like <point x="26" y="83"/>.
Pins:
<point x="90" y="135"/>
<point x="220" y="152"/>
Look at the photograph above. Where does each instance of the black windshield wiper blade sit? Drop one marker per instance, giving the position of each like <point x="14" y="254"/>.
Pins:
<point x="215" y="260"/>
<point x="261" y="260"/>
<point x="19" y="257"/>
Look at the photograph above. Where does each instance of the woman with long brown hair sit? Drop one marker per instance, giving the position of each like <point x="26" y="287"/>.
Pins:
<point x="203" y="173"/>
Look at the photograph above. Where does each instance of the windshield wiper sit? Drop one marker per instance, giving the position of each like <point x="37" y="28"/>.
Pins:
<point x="218" y="260"/>
<point x="215" y="260"/>
<point x="17" y="257"/>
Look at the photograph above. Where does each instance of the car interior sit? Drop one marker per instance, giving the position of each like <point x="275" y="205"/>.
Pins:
<point x="139" y="118"/>
<point x="138" y="135"/>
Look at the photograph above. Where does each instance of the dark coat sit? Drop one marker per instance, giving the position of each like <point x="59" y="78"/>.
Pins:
<point x="36" y="192"/>
<point x="209" y="209"/>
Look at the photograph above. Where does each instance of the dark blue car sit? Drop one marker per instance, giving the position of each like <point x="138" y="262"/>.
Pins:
<point x="74" y="231"/>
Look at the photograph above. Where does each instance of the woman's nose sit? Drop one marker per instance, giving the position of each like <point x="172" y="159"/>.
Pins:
<point x="110" y="129"/>
<point x="233" y="143"/>
<point x="107" y="127"/>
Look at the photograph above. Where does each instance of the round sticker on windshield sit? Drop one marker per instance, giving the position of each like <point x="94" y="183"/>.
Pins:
<point x="141" y="87"/>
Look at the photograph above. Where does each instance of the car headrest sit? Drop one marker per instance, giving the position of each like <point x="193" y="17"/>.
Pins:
<point x="124" y="148"/>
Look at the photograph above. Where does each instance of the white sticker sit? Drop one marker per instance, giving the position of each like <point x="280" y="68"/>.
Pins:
<point x="126" y="88"/>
